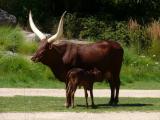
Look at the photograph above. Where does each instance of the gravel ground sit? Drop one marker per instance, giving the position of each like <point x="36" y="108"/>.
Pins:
<point x="81" y="116"/>
<point x="79" y="93"/>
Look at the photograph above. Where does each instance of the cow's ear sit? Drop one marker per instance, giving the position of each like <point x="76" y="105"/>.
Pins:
<point x="70" y="55"/>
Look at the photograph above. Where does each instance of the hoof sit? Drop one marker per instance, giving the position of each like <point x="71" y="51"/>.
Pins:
<point x="116" y="102"/>
<point x="93" y="106"/>
<point x="111" y="103"/>
<point x="72" y="107"/>
<point x="87" y="106"/>
<point x="66" y="105"/>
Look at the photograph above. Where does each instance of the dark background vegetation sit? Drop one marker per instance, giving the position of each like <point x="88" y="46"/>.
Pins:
<point x="109" y="10"/>
<point x="95" y="19"/>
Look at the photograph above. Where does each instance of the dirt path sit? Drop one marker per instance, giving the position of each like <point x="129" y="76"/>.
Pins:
<point x="79" y="93"/>
<point x="81" y="116"/>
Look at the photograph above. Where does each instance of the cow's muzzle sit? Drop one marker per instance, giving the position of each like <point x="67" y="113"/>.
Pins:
<point x="34" y="59"/>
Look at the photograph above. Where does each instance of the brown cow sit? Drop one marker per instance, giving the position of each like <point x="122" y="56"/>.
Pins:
<point x="104" y="55"/>
<point x="80" y="77"/>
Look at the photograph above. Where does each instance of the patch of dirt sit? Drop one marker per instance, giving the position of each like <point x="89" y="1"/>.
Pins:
<point x="79" y="93"/>
<point x="81" y="116"/>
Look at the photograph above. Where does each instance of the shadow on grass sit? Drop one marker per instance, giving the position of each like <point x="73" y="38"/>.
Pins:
<point x="119" y="105"/>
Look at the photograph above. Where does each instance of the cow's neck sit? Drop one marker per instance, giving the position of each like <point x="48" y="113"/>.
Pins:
<point x="59" y="71"/>
<point x="58" y="68"/>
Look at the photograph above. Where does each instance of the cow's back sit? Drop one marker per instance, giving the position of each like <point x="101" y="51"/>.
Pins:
<point x="101" y="55"/>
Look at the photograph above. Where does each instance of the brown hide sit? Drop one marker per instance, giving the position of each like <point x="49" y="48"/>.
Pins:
<point x="100" y="54"/>
<point x="105" y="55"/>
<point x="70" y="55"/>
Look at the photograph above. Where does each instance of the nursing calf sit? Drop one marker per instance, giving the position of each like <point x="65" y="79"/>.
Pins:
<point x="80" y="77"/>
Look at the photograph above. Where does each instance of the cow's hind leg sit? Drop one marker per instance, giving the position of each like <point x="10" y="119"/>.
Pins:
<point x="109" y="77"/>
<point x="112" y="87"/>
<point x="116" y="100"/>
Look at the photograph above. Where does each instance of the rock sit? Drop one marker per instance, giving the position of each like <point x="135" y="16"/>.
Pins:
<point x="6" y="18"/>
<point x="30" y="36"/>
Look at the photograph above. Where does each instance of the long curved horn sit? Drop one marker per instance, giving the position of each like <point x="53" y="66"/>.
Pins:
<point x="35" y="29"/>
<point x="59" y="31"/>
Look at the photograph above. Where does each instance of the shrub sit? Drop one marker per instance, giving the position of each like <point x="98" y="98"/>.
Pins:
<point x="12" y="39"/>
<point x="18" y="70"/>
<point x="140" y="40"/>
<point x="130" y="35"/>
<point x="91" y="27"/>
<point x="83" y="28"/>
<point x="122" y="33"/>
<point x="154" y="34"/>
<point x="139" y="67"/>
<point x="28" y="48"/>
<point x="154" y="30"/>
<point x="72" y="26"/>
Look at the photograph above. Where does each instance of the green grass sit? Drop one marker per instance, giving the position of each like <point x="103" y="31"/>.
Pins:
<point x="50" y="104"/>
<point x="12" y="39"/>
<point x="140" y="71"/>
<point x="17" y="71"/>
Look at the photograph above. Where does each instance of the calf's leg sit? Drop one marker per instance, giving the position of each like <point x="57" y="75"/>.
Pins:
<point x="68" y="96"/>
<point x="72" y="99"/>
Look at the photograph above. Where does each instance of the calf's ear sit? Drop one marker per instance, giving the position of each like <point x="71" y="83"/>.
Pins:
<point x="70" y="55"/>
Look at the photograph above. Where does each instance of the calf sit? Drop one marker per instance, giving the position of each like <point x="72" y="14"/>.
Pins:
<point x="80" y="77"/>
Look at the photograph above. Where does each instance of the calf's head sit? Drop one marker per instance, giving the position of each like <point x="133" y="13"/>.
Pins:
<point x="44" y="50"/>
<point x="96" y="74"/>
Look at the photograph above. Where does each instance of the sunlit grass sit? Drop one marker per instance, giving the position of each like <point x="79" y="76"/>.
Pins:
<point x="17" y="71"/>
<point x="50" y="104"/>
<point x="12" y="39"/>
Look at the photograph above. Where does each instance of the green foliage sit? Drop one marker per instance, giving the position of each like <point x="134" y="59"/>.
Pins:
<point x="140" y="40"/>
<point x="155" y="49"/>
<point x="12" y="39"/>
<point x="137" y="38"/>
<point x="139" y="68"/>
<point x="72" y="26"/>
<point x="121" y="33"/>
<point x="91" y="28"/>
<point x="28" y="48"/>
<point x="17" y="71"/>
<point x="143" y="10"/>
